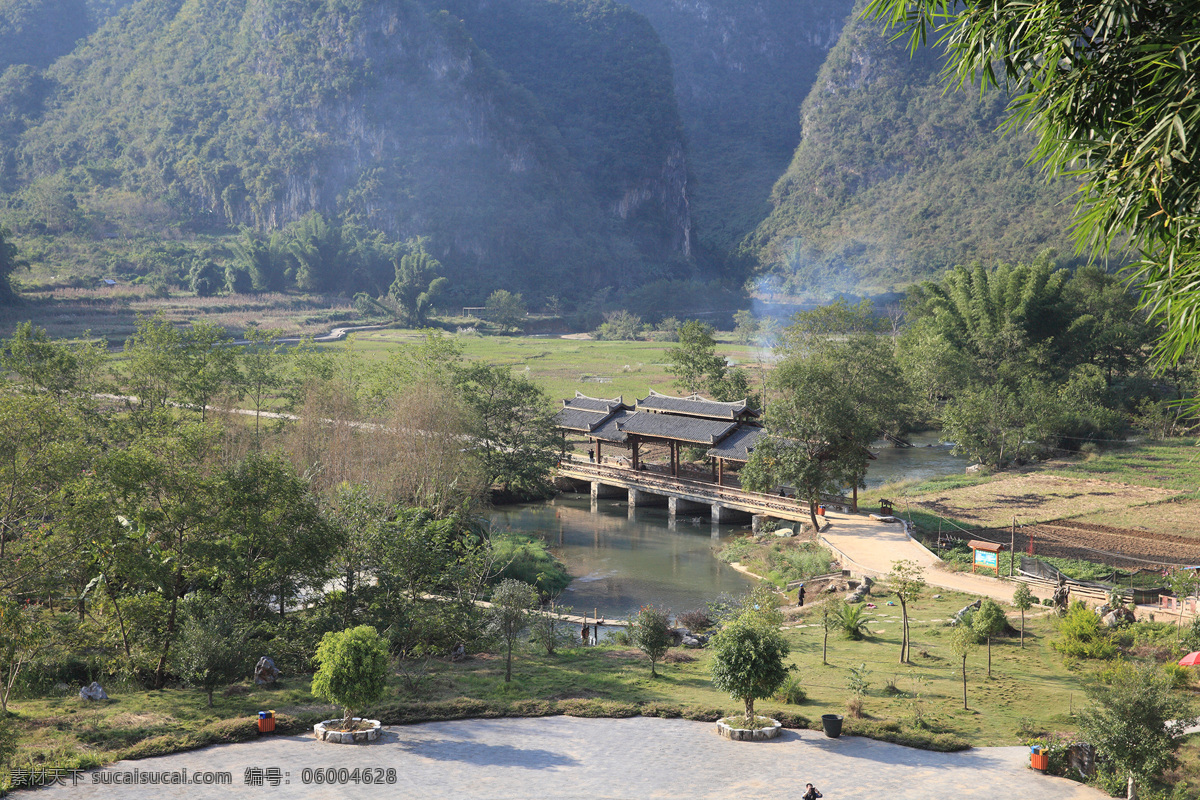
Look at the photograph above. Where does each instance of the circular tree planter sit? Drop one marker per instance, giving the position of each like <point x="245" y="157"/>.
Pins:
<point x="770" y="731"/>
<point x="368" y="731"/>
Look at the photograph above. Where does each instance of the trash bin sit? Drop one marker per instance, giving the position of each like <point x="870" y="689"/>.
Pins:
<point x="1039" y="759"/>
<point x="832" y="723"/>
<point x="266" y="722"/>
<point x="820" y="511"/>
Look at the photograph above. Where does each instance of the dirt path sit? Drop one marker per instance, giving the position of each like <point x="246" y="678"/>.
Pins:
<point x="869" y="546"/>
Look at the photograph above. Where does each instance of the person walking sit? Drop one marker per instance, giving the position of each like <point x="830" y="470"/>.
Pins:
<point x="800" y="595"/>
<point x="810" y="792"/>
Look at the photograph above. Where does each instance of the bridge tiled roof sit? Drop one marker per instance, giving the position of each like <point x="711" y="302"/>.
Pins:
<point x="582" y="402"/>
<point x="583" y="413"/>
<point x="738" y="445"/>
<point x="610" y="430"/>
<point x="695" y="406"/>
<point x="679" y="428"/>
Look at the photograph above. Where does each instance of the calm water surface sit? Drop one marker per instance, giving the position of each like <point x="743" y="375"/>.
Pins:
<point x="620" y="562"/>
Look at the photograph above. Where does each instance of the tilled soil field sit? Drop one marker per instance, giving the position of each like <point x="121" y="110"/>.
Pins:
<point x="1119" y="547"/>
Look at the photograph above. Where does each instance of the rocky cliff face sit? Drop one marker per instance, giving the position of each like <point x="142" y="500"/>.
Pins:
<point x="895" y="179"/>
<point x="742" y="69"/>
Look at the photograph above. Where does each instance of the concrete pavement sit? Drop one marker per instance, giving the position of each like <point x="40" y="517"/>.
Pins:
<point x="568" y="757"/>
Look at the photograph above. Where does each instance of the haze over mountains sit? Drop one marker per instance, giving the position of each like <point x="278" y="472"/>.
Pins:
<point x="554" y="147"/>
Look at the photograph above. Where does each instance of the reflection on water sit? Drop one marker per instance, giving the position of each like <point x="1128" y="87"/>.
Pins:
<point x="620" y="562"/>
<point x="929" y="457"/>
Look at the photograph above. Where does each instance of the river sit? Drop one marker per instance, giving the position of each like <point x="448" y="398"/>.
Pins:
<point x="619" y="561"/>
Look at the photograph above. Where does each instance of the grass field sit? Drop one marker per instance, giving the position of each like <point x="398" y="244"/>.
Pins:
<point x="564" y="366"/>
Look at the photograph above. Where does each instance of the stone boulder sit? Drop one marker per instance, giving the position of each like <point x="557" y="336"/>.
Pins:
<point x="265" y="672"/>
<point x="1117" y="617"/>
<point x="93" y="692"/>
<point x="969" y="607"/>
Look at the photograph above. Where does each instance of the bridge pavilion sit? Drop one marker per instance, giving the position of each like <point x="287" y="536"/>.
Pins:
<point x="726" y="432"/>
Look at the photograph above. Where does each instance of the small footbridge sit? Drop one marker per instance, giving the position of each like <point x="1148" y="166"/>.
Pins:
<point x="682" y="496"/>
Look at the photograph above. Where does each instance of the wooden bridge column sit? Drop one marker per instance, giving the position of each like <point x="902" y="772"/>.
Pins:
<point x="599" y="458"/>
<point x="674" y="460"/>
<point x="635" y="454"/>
<point x="720" y="472"/>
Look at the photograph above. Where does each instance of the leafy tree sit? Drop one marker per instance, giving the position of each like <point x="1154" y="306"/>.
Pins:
<point x="352" y="669"/>
<point x="205" y="278"/>
<point x="963" y="641"/>
<point x="416" y="285"/>
<point x="275" y="542"/>
<point x="208" y="365"/>
<point x="907" y="581"/>
<point x="237" y="279"/>
<point x="650" y="632"/>
<point x="1024" y="600"/>
<point x="511" y="603"/>
<point x="506" y="309"/>
<point x="317" y="246"/>
<point x="694" y="363"/>
<point x="620" y="326"/>
<point x="51" y="365"/>
<point x="1184" y="583"/>
<point x="830" y="621"/>
<point x="262" y="369"/>
<point x="833" y="395"/>
<point x="211" y="654"/>
<point x="1137" y="723"/>
<point x="748" y="660"/>
<point x="550" y="631"/>
<point x="155" y="364"/>
<point x="44" y="447"/>
<point x="988" y="621"/>
<point x="1111" y="97"/>
<point x="21" y="637"/>
<point x="263" y="259"/>
<point x="514" y="436"/>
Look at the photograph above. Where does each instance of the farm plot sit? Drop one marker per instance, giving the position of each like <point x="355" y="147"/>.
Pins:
<point x="1036" y="497"/>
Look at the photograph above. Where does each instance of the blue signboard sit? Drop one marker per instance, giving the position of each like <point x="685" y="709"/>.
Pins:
<point x="985" y="559"/>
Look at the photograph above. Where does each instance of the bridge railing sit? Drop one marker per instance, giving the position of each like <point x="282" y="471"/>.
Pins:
<point x="652" y="480"/>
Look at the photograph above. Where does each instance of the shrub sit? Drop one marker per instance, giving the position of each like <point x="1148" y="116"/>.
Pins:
<point x="1083" y="636"/>
<point x="1179" y="675"/>
<point x="695" y="620"/>
<point x="650" y="632"/>
<point x="790" y="692"/>
<point x="854" y="619"/>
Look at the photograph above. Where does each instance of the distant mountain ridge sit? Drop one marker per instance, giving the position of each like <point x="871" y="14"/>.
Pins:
<point x="256" y="112"/>
<point x="896" y="179"/>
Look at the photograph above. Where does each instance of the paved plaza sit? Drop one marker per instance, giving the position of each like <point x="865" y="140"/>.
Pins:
<point x="567" y="757"/>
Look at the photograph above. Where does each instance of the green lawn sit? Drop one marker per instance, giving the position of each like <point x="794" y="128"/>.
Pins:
<point x="1030" y="687"/>
<point x="563" y="366"/>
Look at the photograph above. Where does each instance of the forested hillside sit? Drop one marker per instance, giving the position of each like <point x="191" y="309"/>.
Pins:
<point x="387" y="115"/>
<point x="896" y="180"/>
<point x="742" y="69"/>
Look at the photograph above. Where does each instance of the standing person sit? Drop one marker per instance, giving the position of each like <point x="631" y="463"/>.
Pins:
<point x="592" y="454"/>
<point x="800" y="595"/>
<point x="586" y="635"/>
<point x="810" y="792"/>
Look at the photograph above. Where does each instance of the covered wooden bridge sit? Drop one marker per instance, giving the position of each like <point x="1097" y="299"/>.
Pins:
<point x="641" y="449"/>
